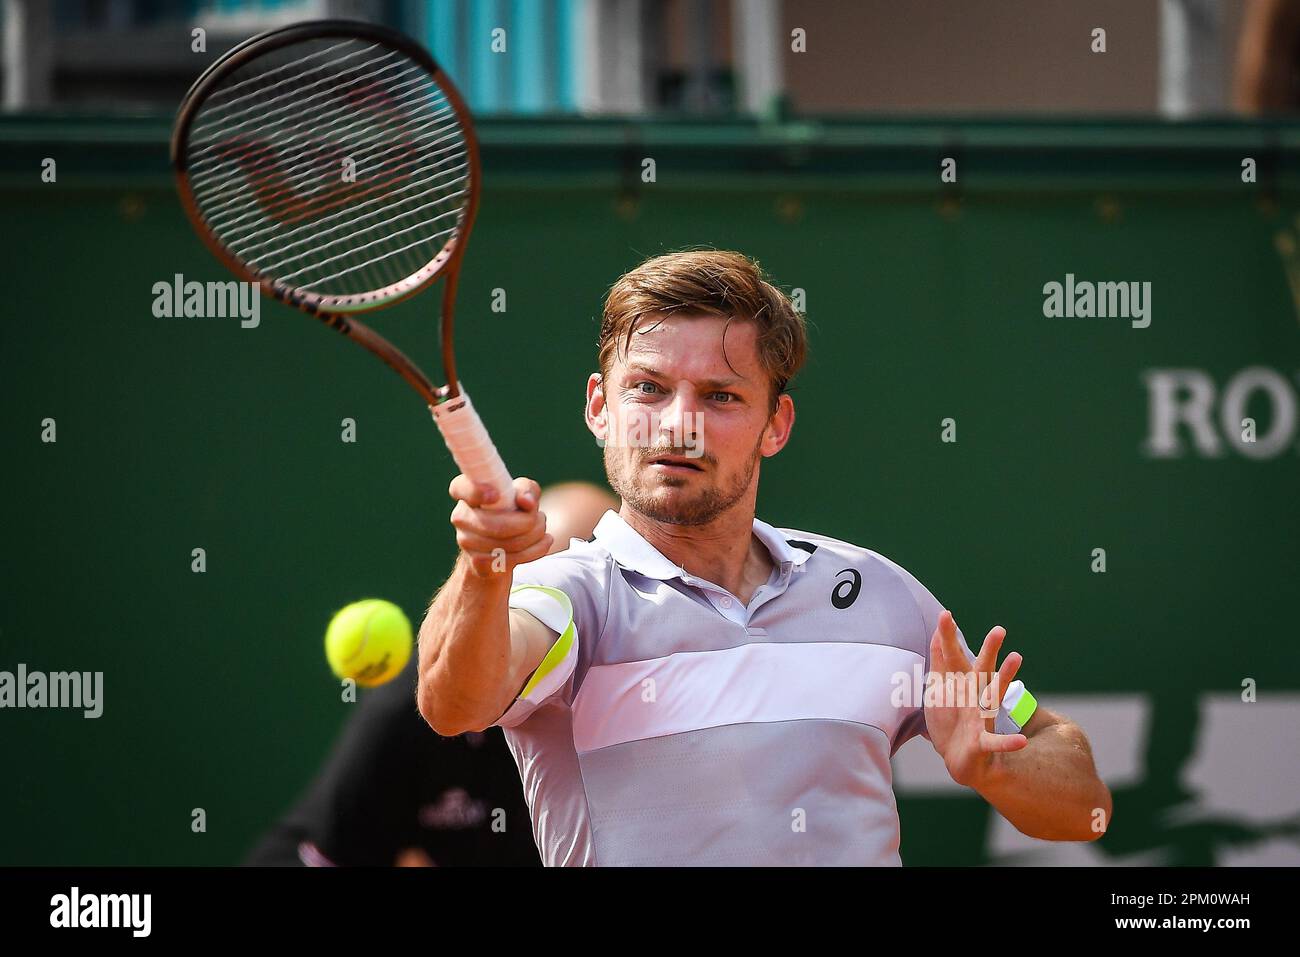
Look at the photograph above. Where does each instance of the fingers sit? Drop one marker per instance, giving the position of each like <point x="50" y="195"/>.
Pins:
<point x="1007" y="673"/>
<point x="988" y="656"/>
<point x="949" y="645"/>
<point x="499" y="562"/>
<point x="465" y="489"/>
<point x="471" y="541"/>
<point x="496" y="525"/>
<point x="946" y="648"/>
<point x="1001" y="743"/>
<point x="527" y="494"/>
<point x="495" y="540"/>
<point x="999" y="682"/>
<point x="938" y="661"/>
<point x="991" y="695"/>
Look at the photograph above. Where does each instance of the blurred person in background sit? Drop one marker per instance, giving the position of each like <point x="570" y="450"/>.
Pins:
<point x="392" y="792"/>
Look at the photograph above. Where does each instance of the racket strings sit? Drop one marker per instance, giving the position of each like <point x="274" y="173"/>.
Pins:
<point x="292" y="100"/>
<point x="256" y="251"/>
<point x="217" y="181"/>
<point x="277" y="261"/>
<point x="324" y="98"/>
<point x="339" y="168"/>
<point x="287" y="145"/>
<point x="219" y="209"/>
<point x="216" y="98"/>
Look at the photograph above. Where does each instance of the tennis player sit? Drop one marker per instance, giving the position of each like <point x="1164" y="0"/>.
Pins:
<point x="695" y="686"/>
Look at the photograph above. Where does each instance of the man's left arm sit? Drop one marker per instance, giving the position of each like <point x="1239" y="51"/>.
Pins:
<point x="1049" y="789"/>
<point x="1042" y="779"/>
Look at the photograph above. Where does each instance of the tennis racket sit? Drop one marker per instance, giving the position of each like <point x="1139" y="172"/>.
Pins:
<point x="335" y="164"/>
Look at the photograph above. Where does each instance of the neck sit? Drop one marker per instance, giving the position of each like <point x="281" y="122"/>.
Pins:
<point x="724" y="551"/>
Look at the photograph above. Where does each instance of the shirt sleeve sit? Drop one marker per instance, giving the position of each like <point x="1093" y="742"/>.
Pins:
<point x="1017" y="705"/>
<point x="567" y="592"/>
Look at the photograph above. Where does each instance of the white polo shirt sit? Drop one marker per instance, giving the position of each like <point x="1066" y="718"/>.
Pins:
<point x="670" y="724"/>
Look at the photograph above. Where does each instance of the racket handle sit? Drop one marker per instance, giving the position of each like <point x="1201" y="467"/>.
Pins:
<point x="472" y="448"/>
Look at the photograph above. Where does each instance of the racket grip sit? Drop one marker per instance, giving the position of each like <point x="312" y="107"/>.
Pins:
<point x="472" y="448"/>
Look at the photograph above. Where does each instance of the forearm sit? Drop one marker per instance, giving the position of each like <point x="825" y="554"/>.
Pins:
<point x="1050" y="789"/>
<point x="465" y="651"/>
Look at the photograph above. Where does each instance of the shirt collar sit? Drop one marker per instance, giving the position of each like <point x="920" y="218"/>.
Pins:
<point x="632" y="551"/>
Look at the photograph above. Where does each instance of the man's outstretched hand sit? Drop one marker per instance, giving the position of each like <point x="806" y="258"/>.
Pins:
<point x="960" y="729"/>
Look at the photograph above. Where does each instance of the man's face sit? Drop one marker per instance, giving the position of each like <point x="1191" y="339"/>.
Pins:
<point x="684" y="429"/>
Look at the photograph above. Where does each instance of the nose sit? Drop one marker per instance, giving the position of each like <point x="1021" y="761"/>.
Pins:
<point x="679" y="418"/>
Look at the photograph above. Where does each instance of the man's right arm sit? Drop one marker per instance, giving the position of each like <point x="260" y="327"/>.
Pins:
<point x="476" y="653"/>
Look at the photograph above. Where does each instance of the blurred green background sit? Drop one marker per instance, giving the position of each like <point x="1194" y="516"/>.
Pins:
<point x="925" y="302"/>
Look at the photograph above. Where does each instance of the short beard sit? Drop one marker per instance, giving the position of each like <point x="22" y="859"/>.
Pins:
<point x="702" y="510"/>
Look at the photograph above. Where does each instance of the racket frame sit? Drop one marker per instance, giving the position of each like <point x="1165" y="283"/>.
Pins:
<point x="338" y="312"/>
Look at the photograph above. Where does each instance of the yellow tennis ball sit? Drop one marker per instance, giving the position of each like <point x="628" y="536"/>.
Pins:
<point x="368" y="641"/>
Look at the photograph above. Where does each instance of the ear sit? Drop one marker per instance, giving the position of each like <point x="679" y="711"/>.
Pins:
<point x="595" y="412"/>
<point x="779" y="426"/>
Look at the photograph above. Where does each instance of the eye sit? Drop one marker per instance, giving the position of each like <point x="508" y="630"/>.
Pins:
<point x="725" y="398"/>
<point x="646" y="387"/>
